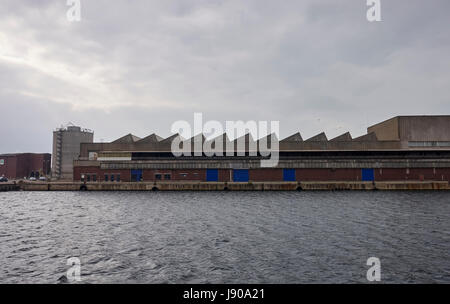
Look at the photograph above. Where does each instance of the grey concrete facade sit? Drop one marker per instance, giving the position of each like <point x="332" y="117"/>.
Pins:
<point x="413" y="129"/>
<point x="398" y="133"/>
<point x="66" y="148"/>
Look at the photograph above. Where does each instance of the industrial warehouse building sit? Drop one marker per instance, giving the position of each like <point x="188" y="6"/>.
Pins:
<point x="404" y="148"/>
<point x="24" y="165"/>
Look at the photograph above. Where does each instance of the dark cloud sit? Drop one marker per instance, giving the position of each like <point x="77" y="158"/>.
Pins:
<point x="137" y="66"/>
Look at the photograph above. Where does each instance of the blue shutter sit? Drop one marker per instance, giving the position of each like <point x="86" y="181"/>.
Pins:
<point x="136" y="175"/>
<point x="289" y="175"/>
<point x="368" y="175"/>
<point x="212" y="175"/>
<point x="240" y="175"/>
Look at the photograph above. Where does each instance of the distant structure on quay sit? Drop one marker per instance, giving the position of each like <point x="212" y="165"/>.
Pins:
<point x="25" y="165"/>
<point x="403" y="148"/>
<point x="66" y="149"/>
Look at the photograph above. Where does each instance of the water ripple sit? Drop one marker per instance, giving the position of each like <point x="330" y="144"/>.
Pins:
<point x="218" y="237"/>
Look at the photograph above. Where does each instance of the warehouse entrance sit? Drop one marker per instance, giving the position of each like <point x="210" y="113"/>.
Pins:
<point x="240" y="175"/>
<point x="212" y="175"/>
<point x="289" y="175"/>
<point x="368" y="175"/>
<point x="136" y="175"/>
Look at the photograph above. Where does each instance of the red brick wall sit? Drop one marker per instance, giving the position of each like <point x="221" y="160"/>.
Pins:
<point x="41" y="163"/>
<point x="387" y="174"/>
<point x="401" y="174"/>
<point x="9" y="168"/>
<point x="125" y="175"/>
<point x="443" y="174"/>
<point x="225" y="175"/>
<point x="176" y="175"/>
<point x="260" y="175"/>
<point x="147" y="175"/>
<point x="22" y="165"/>
<point x="198" y="175"/>
<point x="328" y="175"/>
<point x="78" y="171"/>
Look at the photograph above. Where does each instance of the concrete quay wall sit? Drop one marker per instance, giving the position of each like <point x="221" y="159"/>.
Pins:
<point x="234" y="186"/>
<point x="8" y="187"/>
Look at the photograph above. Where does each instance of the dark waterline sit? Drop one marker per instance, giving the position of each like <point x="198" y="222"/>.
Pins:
<point x="225" y="237"/>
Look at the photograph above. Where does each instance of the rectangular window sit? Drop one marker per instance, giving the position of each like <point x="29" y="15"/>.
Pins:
<point x="112" y="177"/>
<point x="106" y="177"/>
<point x="167" y="176"/>
<point x="88" y="177"/>
<point x="136" y="175"/>
<point x="118" y="177"/>
<point x="158" y="176"/>
<point x="92" y="155"/>
<point x="94" y="177"/>
<point x="2" y="162"/>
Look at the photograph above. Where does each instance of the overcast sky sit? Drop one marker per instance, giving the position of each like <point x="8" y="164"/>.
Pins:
<point x="138" y="66"/>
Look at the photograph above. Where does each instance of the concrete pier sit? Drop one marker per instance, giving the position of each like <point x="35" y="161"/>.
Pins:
<point x="9" y="187"/>
<point x="233" y="186"/>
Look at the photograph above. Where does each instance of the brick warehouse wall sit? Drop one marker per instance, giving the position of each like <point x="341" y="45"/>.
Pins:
<point x="125" y="175"/>
<point x="225" y="175"/>
<point x="177" y="175"/>
<point x="443" y="174"/>
<point x="149" y="175"/>
<point x="260" y="175"/>
<point x="413" y="174"/>
<point x="18" y="166"/>
<point x="9" y="168"/>
<point x="41" y="162"/>
<point x="328" y="175"/>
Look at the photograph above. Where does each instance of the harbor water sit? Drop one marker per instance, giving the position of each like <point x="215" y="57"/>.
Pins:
<point x="225" y="237"/>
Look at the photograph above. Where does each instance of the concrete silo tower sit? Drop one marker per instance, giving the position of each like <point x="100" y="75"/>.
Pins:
<point x="66" y="148"/>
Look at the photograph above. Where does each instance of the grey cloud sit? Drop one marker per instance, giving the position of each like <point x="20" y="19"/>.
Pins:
<point x="137" y="66"/>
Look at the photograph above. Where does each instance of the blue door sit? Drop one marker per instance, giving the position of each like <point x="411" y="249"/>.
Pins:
<point x="289" y="175"/>
<point x="368" y="175"/>
<point x="240" y="175"/>
<point x="212" y="175"/>
<point x="136" y="175"/>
